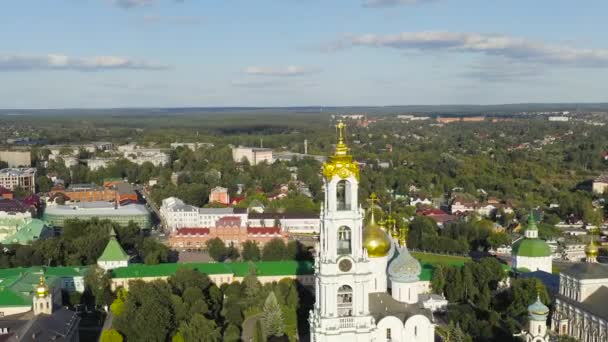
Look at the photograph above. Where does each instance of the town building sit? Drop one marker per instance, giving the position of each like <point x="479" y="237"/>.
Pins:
<point x="532" y="253"/>
<point x="558" y="118"/>
<point x="95" y="164"/>
<point x="155" y="156"/>
<point x="219" y="195"/>
<point x="176" y="214"/>
<point x="16" y="158"/>
<point x="6" y="193"/>
<point x="292" y="223"/>
<point x="355" y="266"/>
<point x="580" y="306"/>
<point x="229" y="230"/>
<point x="192" y="146"/>
<point x="56" y="214"/>
<point x="13" y="178"/>
<point x="600" y="184"/>
<point x="84" y="193"/>
<point x="113" y="255"/>
<point x="253" y="155"/>
<point x="439" y="216"/>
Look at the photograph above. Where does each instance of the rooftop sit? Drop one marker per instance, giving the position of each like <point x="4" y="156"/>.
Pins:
<point x="587" y="271"/>
<point x="382" y="305"/>
<point x="594" y="304"/>
<point x="96" y="208"/>
<point x="238" y="269"/>
<point x="15" y="172"/>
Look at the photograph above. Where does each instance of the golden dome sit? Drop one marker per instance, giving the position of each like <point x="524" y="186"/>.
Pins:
<point x="42" y="290"/>
<point x="341" y="163"/>
<point x="592" y="250"/>
<point x="375" y="240"/>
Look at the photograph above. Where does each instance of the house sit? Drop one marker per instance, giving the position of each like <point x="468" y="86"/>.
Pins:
<point x="461" y="204"/>
<point x="424" y="201"/>
<point x="600" y="184"/>
<point x="219" y="195"/>
<point x="439" y="216"/>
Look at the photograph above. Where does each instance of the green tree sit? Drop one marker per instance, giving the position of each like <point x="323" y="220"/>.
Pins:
<point x="118" y="304"/>
<point x="232" y="333"/>
<point x="217" y="249"/>
<point x="251" y="251"/>
<point x="111" y="335"/>
<point x="200" y="329"/>
<point x="272" y="317"/>
<point x="274" y="250"/>
<point x="259" y="332"/>
<point x="97" y="282"/>
<point x="438" y="279"/>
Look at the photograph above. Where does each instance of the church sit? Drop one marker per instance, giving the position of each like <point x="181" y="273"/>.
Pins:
<point x="367" y="284"/>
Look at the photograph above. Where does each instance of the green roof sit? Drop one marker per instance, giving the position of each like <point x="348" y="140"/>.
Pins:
<point x="11" y="298"/>
<point x="238" y="269"/>
<point x="531" y="248"/>
<point x="28" y="233"/>
<point x="113" y="252"/>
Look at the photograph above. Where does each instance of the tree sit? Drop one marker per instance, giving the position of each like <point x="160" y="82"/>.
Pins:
<point x="232" y="252"/>
<point x="217" y="249"/>
<point x="118" y="304"/>
<point x="111" y="335"/>
<point x="251" y="283"/>
<point x="438" y="280"/>
<point x="200" y="329"/>
<point x="274" y="250"/>
<point x="259" y="332"/>
<point x="97" y="282"/>
<point x="251" y="251"/>
<point x="232" y="333"/>
<point x="272" y="317"/>
<point x="186" y="277"/>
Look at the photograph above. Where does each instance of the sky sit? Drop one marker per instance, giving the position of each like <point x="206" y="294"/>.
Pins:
<point x="207" y="53"/>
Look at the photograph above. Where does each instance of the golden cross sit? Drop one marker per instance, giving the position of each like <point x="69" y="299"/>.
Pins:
<point x="340" y="127"/>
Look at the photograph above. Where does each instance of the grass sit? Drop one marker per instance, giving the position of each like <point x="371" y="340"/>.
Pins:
<point x="438" y="258"/>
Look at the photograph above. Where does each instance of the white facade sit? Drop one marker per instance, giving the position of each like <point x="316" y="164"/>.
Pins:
<point x="253" y="155"/>
<point x="154" y="156"/>
<point x="110" y="265"/>
<point x="534" y="263"/>
<point x="176" y="214"/>
<point x="18" y="177"/>
<point x="95" y="164"/>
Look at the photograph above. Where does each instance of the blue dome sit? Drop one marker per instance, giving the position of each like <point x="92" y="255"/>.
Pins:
<point x="405" y="268"/>
<point x="538" y="310"/>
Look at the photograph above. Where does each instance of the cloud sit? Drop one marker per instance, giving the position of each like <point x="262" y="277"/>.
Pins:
<point x="62" y="62"/>
<point x="129" y="4"/>
<point x="512" y="48"/>
<point x="392" y="3"/>
<point x="172" y="20"/>
<point x="288" y="71"/>
<point x="501" y="70"/>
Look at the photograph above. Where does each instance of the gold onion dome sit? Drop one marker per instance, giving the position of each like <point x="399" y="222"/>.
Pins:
<point x="42" y="290"/>
<point x="592" y="249"/>
<point x="375" y="240"/>
<point x="341" y="163"/>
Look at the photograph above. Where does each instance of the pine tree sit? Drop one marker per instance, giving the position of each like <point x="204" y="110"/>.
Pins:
<point x="272" y="317"/>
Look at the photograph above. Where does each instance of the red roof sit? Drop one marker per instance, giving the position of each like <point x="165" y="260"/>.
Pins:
<point x="431" y="212"/>
<point x="263" y="230"/>
<point x="237" y="200"/>
<point x="4" y="190"/>
<point x="193" y="231"/>
<point x="228" y="220"/>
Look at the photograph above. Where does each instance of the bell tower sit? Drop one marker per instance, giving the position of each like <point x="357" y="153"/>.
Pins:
<point x="343" y="275"/>
<point x="43" y="300"/>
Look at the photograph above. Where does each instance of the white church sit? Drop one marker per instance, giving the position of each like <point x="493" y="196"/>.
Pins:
<point x="367" y="283"/>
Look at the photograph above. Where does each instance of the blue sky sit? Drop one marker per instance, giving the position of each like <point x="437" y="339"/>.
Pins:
<point x="148" y="53"/>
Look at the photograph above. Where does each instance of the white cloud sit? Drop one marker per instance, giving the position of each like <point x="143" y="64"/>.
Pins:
<point x="62" y="62"/>
<point x="172" y="20"/>
<point x="512" y="48"/>
<point x="127" y="4"/>
<point x="392" y="3"/>
<point x="291" y="70"/>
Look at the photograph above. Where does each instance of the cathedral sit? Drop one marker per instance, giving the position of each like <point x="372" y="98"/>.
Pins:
<point x="367" y="283"/>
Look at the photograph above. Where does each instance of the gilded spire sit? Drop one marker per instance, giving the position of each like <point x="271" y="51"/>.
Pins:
<point x="341" y="163"/>
<point x="403" y="236"/>
<point x="341" y="148"/>
<point x="372" y="204"/>
<point x="42" y="290"/>
<point x="592" y="250"/>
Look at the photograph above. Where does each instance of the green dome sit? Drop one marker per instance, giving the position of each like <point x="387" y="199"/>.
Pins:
<point x="531" y="248"/>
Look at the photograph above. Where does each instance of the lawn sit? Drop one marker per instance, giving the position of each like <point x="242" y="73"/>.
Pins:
<point x="438" y="258"/>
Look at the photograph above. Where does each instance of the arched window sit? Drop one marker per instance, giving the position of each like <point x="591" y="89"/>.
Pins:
<point x="343" y="193"/>
<point x="345" y="301"/>
<point x="344" y="241"/>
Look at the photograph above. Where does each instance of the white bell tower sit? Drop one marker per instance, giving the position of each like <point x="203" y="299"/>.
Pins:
<point x="343" y="276"/>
